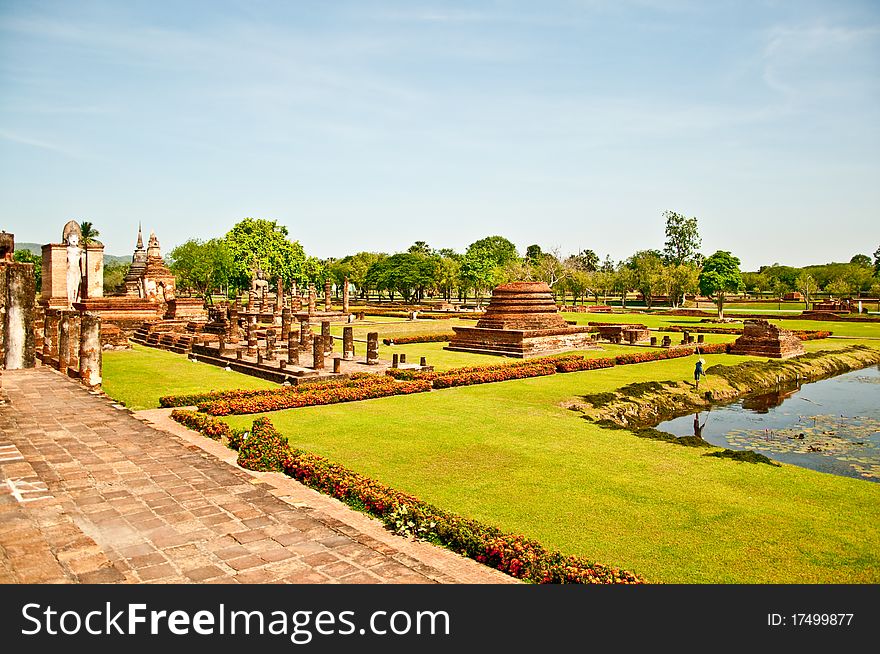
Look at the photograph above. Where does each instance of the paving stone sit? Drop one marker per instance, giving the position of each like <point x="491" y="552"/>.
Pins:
<point x="131" y="503"/>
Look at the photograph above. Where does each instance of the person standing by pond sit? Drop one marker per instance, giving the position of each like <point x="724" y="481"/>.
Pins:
<point x="699" y="372"/>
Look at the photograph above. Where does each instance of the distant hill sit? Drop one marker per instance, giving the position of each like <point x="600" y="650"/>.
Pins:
<point x="36" y="248"/>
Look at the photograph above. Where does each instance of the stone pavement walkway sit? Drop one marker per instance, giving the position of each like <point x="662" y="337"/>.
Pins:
<point x="89" y="493"/>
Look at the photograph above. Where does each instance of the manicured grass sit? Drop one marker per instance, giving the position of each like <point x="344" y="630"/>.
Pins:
<point x="510" y="455"/>
<point x="140" y="376"/>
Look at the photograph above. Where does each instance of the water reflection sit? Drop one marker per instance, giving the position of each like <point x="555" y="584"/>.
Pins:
<point x="766" y="401"/>
<point x="832" y="425"/>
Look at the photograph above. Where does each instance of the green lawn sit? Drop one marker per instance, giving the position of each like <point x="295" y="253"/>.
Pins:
<point x="508" y="454"/>
<point x="511" y="455"/>
<point x="140" y="376"/>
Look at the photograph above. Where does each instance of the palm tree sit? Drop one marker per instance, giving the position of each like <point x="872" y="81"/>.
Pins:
<point x="89" y="237"/>
<point x="89" y="233"/>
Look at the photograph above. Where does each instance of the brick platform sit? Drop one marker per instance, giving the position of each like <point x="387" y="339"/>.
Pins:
<point x="91" y="494"/>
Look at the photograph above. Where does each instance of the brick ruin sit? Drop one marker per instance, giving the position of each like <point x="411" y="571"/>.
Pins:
<point x="623" y="333"/>
<point x="521" y="320"/>
<point x="17" y="309"/>
<point x="762" y="339"/>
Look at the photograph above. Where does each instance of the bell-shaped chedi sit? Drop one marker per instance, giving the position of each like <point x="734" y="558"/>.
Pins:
<point x="521" y="320"/>
<point x="522" y="305"/>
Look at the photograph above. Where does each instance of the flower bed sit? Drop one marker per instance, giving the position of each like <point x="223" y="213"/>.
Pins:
<point x="193" y="399"/>
<point x="810" y="335"/>
<point x="210" y="427"/>
<point x="266" y="449"/>
<point x="448" y="380"/>
<point x="422" y="338"/>
<point x="200" y="398"/>
<point x="714" y="348"/>
<point x="314" y="395"/>
<point x="263" y="449"/>
<point x="642" y="357"/>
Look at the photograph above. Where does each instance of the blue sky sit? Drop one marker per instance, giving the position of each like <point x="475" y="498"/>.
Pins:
<point x="369" y="125"/>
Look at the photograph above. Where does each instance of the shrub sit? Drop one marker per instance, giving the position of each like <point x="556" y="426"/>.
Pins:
<point x="264" y="449"/>
<point x="315" y="395"/>
<point x="422" y="338"/>
<point x="810" y="335"/>
<point x="448" y="380"/>
<point x="214" y="429"/>
<point x="193" y="399"/>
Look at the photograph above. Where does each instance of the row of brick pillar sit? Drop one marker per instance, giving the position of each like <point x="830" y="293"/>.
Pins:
<point x="72" y="344"/>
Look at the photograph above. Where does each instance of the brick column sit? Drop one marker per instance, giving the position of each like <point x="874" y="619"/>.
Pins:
<point x="304" y="333"/>
<point x="285" y="323"/>
<point x="373" y="348"/>
<point x="348" y="343"/>
<point x="64" y="341"/>
<point x="279" y="296"/>
<point x="318" y="353"/>
<point x="252" y="336"/>
<point x="74" y="328"/>
<point x="326" y="337"/>
<point x="292" y="349"/>
<point x="50" y="336"/>
<point x="90" y="350"/>
<point x="270" y="345"/>
<point x="313" y="298"/>
<point x="327" y="300"/>
<point x="345" y="297"/>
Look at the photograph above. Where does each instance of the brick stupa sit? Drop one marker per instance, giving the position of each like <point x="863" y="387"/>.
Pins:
<point x="763" y="339"/>
<point x="522" y="320"/>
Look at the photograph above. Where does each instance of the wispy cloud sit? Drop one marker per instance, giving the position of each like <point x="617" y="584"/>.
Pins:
<point x="790" y="51"/>
<point x="41" y="144"/>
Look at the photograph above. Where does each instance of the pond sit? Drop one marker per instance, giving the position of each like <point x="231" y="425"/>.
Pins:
<point x="832" y="425"/>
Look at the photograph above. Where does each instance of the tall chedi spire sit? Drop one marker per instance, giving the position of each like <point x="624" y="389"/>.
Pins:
<point x="140" y="242"/>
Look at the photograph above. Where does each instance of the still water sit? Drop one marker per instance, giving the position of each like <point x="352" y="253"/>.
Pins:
<point x="832" y="425"/>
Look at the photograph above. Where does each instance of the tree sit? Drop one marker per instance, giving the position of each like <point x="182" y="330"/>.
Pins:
<point x="624" y="282"/>
<point x="89" y="233"/>
<point x="265" y="242"/>
<point x="806" y="284"/>
<point x="497" y="248"/>
<point x="585" y="260"/>
<point x="861" y="260"/>
<point x="533" y="254"/>
<point x="682" y="239"/>
<point x="601" y="283"/>
<point x="646" y="266"/>
<point x="201" y="266"/>
<point x="405" y="273"/>
<point x="419" y="247"/>
<point x="446" y="275"/>
<point x="678" y="281"/>
<point x="720" y="275"/>
<point x="550" y="269"/>
<point x="518" y="270"/>
<point x="355" y="267"/>
<point x="478" y="270"/>
<point x="839" y="287"/>
<point x="114" y="275"/>
<point x="89" y="237"/>
<point x="578" y="283"/>
<point x="877" y="261"/>
<point x="26" y="256"/>
<point x="756" y="282"/>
